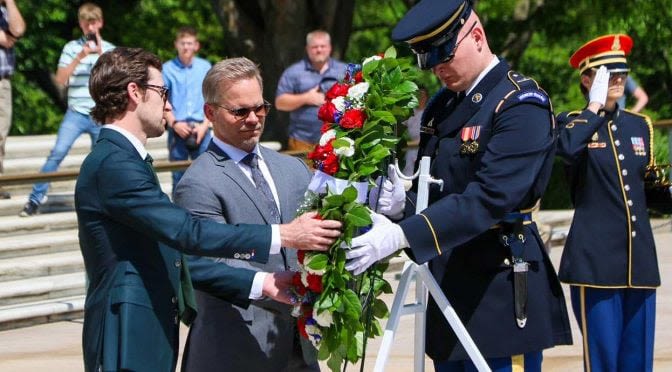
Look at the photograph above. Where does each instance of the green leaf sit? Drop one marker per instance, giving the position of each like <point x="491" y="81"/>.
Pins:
<point x="318" y="261"/>
<point x="380" y="309"/>
<point x="391" y="52"/>
<point x="353" y="308"/>
<point x="332" y="200"/>
<point x="334" y="362"/>
<point x="349" y="194"/>
<point x="359" y="216"/>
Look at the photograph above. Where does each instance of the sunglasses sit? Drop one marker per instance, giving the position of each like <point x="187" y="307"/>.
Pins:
<point x="162" y="90"/>
<point x="243" y="112"/>
<point x="437" y="52"/>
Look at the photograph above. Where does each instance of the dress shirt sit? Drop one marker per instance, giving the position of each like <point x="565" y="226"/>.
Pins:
<point x="237" y="156"/>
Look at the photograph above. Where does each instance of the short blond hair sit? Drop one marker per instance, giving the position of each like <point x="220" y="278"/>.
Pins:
<point x="227" y="72"/>
<point x="317" y="33"/>
<point x="90" y="12"/>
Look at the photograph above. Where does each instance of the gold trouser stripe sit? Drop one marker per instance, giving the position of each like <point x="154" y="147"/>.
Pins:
<point x="431" y="228"/>
<point x="518" y="363"/>
<point x="584" y="329"/>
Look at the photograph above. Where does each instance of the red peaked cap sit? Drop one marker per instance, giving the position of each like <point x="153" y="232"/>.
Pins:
<point x="607" y="50"/>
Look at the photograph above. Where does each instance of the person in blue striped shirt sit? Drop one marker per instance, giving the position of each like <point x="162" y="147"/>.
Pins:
<point x="74" y="68"/>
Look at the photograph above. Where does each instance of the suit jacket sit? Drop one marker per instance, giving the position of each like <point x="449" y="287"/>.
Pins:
<point x="494" y="150"/>
<point x="228" y="334"/>
<point x="131" y="237"/>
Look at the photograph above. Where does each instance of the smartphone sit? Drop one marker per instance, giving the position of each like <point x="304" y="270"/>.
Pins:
<point x="91" y="39"/>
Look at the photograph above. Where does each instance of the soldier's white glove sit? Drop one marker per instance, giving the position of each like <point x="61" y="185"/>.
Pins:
<point x="598" y="91"/>
<point x="392" y="199"/>
<point x="384" y="238"/>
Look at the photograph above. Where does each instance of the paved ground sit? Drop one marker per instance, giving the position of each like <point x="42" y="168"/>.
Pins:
<point x="56" y="346"/>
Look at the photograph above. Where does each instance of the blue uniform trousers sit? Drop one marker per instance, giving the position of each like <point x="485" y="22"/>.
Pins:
<point x="617" y="325"/>
<point x="529" y="362"/>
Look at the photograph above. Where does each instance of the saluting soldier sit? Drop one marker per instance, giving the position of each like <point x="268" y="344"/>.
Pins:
<point x="609" y="259"/>
<point x="490" y="135"/>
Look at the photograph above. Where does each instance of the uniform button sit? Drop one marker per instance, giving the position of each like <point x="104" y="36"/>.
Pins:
<point x="173" y="300"/>
<point x="247" y="256"/>
<point x="627" y="187"/>
<point x="624" y="172"/>
<point x="621" y="157"/>
<point x="236" y="255"/>
<point x="617" y="143"/>
<point x="178" y="263"/>
<point x="507" y="262"/>
<point x="630" y="203"/>
<point x="614" y="127"/>
<point x="634" y="233"/>
<point x="633" y="218"/>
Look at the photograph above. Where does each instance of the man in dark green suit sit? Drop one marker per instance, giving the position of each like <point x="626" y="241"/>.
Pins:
<point x="132" y="237"/>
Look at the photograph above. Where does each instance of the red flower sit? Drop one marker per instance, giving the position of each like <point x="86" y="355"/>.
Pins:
<point x="353" y="119"/>
<point x="320" y="153"/>
<point x="325" y="127"/>
<point x="301" y="325"/>
<point x="337" y="90"/>
<point x="326" y="112"/>
<point x="359" y="77"/>
<point x="315" y="283"/>
<point x="298" y="285"/>
<point x="300" y="255"/>
<point x="330" y="164"/>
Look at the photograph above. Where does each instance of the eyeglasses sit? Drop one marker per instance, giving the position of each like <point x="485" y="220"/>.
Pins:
<point x="243" y="112"/>
<point x="452" y="53"/>
<point x="435" y="53"/>
<point x="614" y="76"/>
<point x="162" y="90"/>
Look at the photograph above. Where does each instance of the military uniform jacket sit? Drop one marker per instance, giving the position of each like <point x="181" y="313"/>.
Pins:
<point x="610" y="243"/>
<point x="511" y="119"/>
<point x="132" y="238"/>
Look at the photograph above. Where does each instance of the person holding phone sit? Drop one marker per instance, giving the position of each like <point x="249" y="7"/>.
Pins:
<point x="74" y="68"/>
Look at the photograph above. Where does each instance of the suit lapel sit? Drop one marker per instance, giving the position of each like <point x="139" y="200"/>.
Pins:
<point x="234" y="172"/>
<point x="471" y="104"/>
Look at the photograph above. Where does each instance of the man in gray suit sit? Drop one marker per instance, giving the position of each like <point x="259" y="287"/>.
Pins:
<point x="238" y="181"/>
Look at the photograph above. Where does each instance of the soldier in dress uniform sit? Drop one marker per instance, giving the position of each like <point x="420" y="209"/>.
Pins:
<point x="490" y="134"/>
<point x="609" y="259"/>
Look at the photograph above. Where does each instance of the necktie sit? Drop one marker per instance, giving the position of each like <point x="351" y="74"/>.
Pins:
<point x="265" y="190"/>
<point x="263" y="187"/>
<point x="149" y="160"/>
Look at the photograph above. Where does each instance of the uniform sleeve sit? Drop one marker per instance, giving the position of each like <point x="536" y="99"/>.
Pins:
<point x="516" y="155"/>
<point x="131" y="195"/>
<point x="575" y="131"/>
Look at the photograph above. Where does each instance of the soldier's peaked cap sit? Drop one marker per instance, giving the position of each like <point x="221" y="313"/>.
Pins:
<point x="431" y="28"/>
<point x="607" y="50"/>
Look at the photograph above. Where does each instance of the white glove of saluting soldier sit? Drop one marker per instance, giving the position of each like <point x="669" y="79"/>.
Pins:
<point x="384" y="238"/>
<point x="600" y="87"/>
<point x="392" y="198"/>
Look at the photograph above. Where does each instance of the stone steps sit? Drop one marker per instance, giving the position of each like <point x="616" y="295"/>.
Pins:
<point x="39" y="312"/>
<point x="42" y="288"/>
<point x="18" y="268"/>
<point x="37" y="244"/>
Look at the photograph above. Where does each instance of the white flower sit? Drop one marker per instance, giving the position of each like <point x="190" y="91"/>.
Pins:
<point x="339" y="103"/>
<point x="324" y="319"/>
<point x="371" y="59"/>
<point x="314" y="334"/>
<point x="304" y="278"/>
<point x="358" y="91"/>
<point x="346" y="151"/>
<point x="327" y="136"/>
<point x="306" y="265"/>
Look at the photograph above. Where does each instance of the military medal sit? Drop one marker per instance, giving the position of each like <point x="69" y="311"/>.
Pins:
<point x="469" y="135"/>
<point x="638" y="146"/>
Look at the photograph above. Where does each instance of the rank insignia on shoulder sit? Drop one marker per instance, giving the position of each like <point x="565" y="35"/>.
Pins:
<point x="597" y="145"/>
<point x="638" y="146"/>
<point x="469" y="135"/>
<point x="532" y="96"/>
